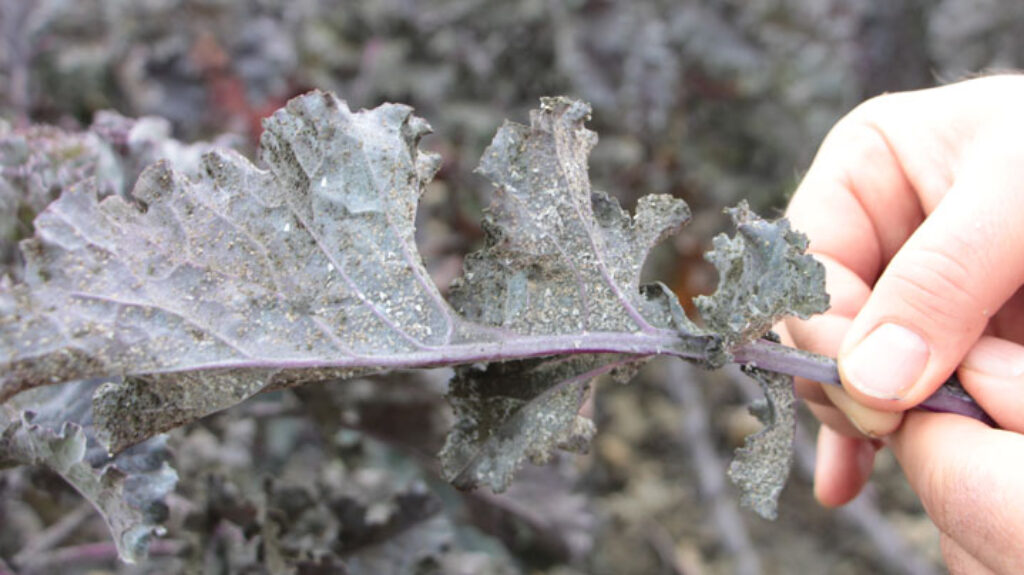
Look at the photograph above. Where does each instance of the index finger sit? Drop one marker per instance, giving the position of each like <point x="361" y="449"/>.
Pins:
<point x="861" y="199"/>
<point x="837" y="205"/>
<point x="878" y="174"/>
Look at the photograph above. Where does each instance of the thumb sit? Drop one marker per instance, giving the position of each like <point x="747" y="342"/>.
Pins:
<point x="935" y="297"/>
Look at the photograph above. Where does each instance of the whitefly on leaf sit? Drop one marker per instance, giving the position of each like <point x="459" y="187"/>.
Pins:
<point x="512" y="412"/>
<point x="201" y="289"/>
<point x="560" y="256"/>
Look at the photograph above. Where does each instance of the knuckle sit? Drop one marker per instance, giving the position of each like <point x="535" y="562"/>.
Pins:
<point x="866" y="138"/>
<point x="860" y="128"/>
<point x="872" y="115"/>
<point x="936" y="286"/>
<point x="873" y="108"/>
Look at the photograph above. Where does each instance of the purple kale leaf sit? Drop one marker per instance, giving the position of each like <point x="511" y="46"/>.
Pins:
<point x="203" y="287"/>
<point x="207" y="289"/>
<point x="559" y="258"/>
<point x="203" y="290"/>
<point x="761" y="467"/>
<point x="511" y="412"/>
<point x="763" y="276"/>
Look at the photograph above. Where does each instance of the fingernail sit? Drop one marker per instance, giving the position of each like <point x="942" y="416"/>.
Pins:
<point x="864" y="427"/>
<point x="996" y="357"/>
<point x="887" y="363"/>
<point x="874" y="424"/>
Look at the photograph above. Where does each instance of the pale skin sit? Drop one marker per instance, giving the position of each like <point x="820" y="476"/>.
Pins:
<point x="915" y="205"/>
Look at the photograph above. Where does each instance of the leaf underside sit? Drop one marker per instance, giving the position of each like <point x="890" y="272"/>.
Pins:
<point x="761" y="467"/>
<point x="558" y="257"/>
<point x="206" y="290"/>
<point x="763" y="276"/>
<point x="203" y="287"/>
<point x="515" y="411"/>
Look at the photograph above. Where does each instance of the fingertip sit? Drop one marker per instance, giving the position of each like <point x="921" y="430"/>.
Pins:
<point x="872" y="423"/>
<point x="938" y="292"/>
<point x="820" y="333"/>
<point x="843" y="467"/>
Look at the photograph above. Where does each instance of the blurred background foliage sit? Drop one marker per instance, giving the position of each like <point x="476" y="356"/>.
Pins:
<point x="709" y="100"/>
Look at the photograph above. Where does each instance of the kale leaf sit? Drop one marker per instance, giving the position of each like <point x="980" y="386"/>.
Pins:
<point x="212" y="282"/>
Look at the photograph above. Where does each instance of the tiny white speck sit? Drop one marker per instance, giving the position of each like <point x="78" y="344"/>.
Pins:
<point x="287" y="227"/>
<point x="330" y="267"/>
<point x="323" y="182"/>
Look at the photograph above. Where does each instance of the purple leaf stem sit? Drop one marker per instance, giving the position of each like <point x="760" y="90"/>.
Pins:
<point x="765" y="354"/>
<point x="512" y="347"/>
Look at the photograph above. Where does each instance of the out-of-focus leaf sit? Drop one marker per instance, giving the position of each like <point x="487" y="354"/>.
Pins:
<point x="38" y="163"/>
<point x="763" y="276"/>
<point x="544" y="516"/>
<point x="127" y="490"/>
<point x="426" y="548"/>
<point x="761" y="467"/>
<point x="354" y="505"/>
<point x="137" y="143"/>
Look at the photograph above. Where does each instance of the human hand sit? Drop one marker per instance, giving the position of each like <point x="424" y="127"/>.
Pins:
<point x="914" y="205"/>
